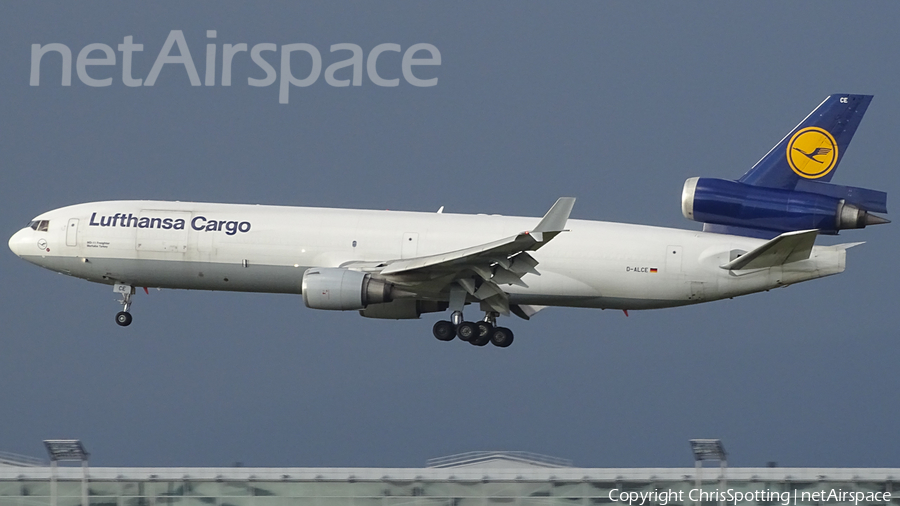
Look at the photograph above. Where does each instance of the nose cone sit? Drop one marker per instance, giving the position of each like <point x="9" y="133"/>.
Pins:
<point x="18" y="240"/>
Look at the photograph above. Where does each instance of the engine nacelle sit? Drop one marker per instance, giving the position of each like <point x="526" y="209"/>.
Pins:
<point x="342" y="289"/>
<point x="403" y="309"/>
<point x="732" y="203"/>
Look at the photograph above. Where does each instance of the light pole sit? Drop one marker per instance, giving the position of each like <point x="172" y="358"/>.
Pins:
<point x="67" y="450"/>
<point x="709" y="449"/>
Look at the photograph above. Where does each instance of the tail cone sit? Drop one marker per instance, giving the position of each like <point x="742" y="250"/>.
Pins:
<point x="871" y="219"/>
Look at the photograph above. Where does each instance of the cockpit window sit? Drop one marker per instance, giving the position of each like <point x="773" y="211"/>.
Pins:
<point x="40" y="225"/>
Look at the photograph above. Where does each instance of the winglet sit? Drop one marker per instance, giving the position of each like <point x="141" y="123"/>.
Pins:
<point x="556" y="218"/>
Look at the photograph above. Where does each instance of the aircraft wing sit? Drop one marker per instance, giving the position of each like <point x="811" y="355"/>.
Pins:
<point x="479" y="270"/>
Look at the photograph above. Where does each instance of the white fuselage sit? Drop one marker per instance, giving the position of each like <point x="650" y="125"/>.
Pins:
<point x="258" y="248"/>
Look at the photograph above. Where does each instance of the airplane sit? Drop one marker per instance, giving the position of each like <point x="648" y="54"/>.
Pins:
<point x="758" y="233"/>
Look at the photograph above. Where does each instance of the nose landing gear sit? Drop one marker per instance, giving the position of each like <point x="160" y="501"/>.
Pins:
<point x="475" y="333"/>
<point x="123" y="317"/>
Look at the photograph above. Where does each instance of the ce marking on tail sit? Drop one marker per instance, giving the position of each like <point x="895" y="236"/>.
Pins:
<point x="845" y="100"/>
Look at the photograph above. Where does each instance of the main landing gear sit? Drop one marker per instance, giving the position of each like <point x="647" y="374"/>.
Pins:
<point x="475" y="333"/>
<point x="123" y="317"/>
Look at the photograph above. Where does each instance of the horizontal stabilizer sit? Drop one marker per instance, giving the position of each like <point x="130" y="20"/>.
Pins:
<point x="871" y="200"/>
<point x="845" y="246"/>
<point x="784" y="249"/>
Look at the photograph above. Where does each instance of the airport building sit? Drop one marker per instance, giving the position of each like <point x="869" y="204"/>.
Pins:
<point x="472" y="479"/>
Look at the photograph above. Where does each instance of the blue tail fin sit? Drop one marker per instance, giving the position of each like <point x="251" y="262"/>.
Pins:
<point x="814" y="148"/>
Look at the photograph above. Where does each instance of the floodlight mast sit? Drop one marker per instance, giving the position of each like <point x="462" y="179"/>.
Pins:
<point x="67" y="450"/>
<point x="709" y="449"/>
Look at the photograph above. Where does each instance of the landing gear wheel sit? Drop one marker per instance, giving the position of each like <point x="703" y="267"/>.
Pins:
<point x="123" y="318"/>
<point x="485" y="330"/>
<point x="480" y="341"/>
<point x="467" y="331"/>
<point x="444" y="330"/>
<point x="483" y="334"/>
<point x="502" y="337"/>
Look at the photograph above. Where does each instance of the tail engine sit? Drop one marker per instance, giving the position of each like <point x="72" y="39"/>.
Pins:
<point x="828" y="208"/>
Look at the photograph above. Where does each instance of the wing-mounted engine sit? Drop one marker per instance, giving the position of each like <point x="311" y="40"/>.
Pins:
<point x="342" y="289"/>
<point x="826" y="207"/>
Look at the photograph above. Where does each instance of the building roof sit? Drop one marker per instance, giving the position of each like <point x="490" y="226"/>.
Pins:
<point x="462" y="474"/>
<point x="499" y="459"/>
<point x="8" y="459"/>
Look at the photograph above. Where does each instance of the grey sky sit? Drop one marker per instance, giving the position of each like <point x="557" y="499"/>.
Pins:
<point x="615" y="103"/>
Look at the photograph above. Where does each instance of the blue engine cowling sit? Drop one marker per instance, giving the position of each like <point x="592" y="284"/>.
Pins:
<point x="731" y="203"/>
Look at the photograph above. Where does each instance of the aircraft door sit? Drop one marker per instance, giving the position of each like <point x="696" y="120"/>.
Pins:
<point x="410" y="246"/>
<point x="673" y="259"/>
<point x="72" y="232"/>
